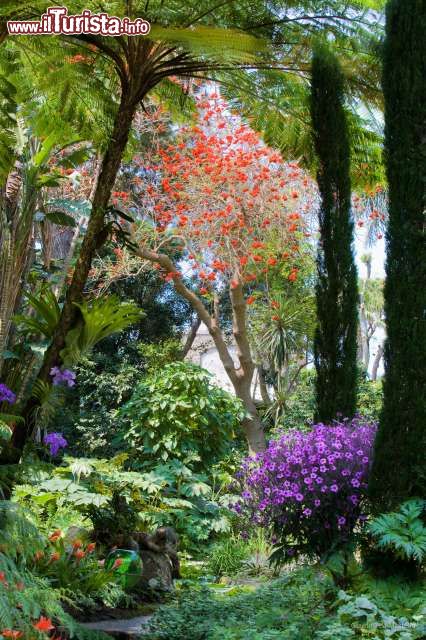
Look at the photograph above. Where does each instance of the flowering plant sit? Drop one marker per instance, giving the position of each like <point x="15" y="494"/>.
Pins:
<point x="62" y="376"/>
<point x="55" y="441"/>
<point x="308" y="488"/>
<point x="6" y="395"/>
<point x="71" y="564"/>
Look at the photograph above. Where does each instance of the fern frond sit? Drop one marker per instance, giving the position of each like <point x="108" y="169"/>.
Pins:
<point x="402" y="531"/>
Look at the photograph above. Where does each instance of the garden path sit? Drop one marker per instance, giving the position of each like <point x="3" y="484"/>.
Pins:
<point x="122" y="629"/>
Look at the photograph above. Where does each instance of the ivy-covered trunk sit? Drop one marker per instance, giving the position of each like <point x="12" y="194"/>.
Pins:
<point x="399" y="467"/>
<point x="335" y="347"/>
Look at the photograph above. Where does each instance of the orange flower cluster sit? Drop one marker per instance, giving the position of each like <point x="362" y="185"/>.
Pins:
<point x="237" y="208"/>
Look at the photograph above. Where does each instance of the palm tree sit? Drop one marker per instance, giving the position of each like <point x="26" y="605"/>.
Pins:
<point x="136" y="67"/>
<point x="131" y="69"/>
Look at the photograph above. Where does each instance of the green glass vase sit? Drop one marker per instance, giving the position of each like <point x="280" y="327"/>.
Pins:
<point x="126" y="565"/>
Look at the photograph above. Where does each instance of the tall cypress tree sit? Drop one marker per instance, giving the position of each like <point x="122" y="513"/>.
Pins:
<point x="335" y="347"/>
<point x="399" y="469"/>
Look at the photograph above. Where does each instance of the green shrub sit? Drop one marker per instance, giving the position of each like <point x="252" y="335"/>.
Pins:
<point x="81" y="492"/>
<point x="402" y="532"/>
<point x="302" y="605"/>
<point x="177" y="412"/>
<point x="227" y="557"/>
<point x="358" y="617"/>
<point x="284" y="609"/>
<point x="24" y="595"/>
<point x="300" y="407"/>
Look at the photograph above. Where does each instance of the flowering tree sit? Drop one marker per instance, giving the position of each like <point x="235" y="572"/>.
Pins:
<point x="308" y="487"/>
<point x="237" y="213"/>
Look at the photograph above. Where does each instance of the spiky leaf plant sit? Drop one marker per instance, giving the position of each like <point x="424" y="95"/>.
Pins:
<point x="403" y="532"/>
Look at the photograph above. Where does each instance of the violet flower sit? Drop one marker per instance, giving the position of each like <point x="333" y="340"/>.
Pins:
<point x="64" y="376"/>
<point x="55" y="441"/>
<point x="307" y="482"/>
<point x="6" y="395"/>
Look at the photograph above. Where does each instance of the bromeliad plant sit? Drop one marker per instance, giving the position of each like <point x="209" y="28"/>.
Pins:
<point x="98" y="319"/>
<point x="308" y="488"/>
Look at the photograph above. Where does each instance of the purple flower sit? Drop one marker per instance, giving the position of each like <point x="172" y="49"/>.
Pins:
<point x="54" y="441"/>
<point x="281" y="488"/>
<point x="62" y="376"/>
<point x="6" y="395"/>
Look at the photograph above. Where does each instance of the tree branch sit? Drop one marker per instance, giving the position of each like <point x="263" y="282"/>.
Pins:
<point x="214" y="330"/>
<point x="239" y="329"/>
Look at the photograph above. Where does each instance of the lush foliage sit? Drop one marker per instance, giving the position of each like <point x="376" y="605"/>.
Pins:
<point x="177" y="413"/>
<point x="28" y="602"/>
<point x="300" y="405"/>
<point x="100" y="495"/>
<point x="303" y="604"/>
<point x="308" y="487"/>
<point x="403" y="532"/>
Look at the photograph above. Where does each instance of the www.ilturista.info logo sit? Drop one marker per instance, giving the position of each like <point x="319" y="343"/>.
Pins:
<point x="57" y="21"/>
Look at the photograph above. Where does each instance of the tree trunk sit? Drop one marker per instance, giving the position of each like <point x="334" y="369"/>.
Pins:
<point x="252" y="425"/>
<point x="241" y="378"/>
<point x="253" y="429"/>
<point x="195" y="325"/>
<point x="263" y="386"/>
<point x="91" y="242"/>
<point x="376" y="362"/>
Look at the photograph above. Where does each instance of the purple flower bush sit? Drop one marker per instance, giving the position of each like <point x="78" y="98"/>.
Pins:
<point x="54" y="441"/>
<point x="307" y="488"/>
<point x="6" y="395"/>
<point x="64" y="376"/>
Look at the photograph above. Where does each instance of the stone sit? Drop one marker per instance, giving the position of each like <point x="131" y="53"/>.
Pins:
<point x="156" y="572"/>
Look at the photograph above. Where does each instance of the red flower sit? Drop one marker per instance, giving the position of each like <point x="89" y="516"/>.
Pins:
<point x="55" y="535"/>
<point x="79" y="554"/>
<point x="10" y="633"/>
<point x="117" y="563"/>
<point x="250" y="300"/>
<point x="276" y="318"/>
<point x="91" y="547"/>
<point x="44" y="624"/>
<point x="293" y="275"/>
<point x="55" y="556"/>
